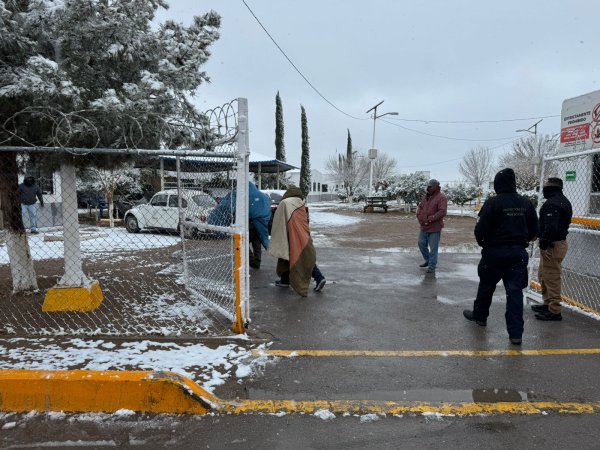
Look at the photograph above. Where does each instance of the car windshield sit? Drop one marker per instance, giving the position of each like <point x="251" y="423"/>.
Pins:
<point x="275" y="198"/>
<point x="204" y="201"/>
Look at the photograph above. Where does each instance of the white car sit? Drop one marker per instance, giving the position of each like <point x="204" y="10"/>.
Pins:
<point x="162" y="212"/>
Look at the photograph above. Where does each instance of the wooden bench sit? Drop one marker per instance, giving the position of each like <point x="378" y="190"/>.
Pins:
<point x="375" y="202"/>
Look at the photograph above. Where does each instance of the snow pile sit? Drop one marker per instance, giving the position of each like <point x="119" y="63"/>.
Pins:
<point x="324" y="414"/>
<point x="367" y="418"/>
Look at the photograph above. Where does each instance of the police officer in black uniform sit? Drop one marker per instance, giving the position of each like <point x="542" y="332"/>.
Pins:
<point x="507" y="223"/>
<point x="555" y="218"/>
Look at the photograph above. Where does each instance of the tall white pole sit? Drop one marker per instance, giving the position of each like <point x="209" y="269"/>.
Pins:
<point x="373" y="147"/>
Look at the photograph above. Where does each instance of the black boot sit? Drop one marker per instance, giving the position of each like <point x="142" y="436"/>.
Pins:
<point x="539" y="308"/>
<point x="469" y="316"/>
<point x="547" y="315"/>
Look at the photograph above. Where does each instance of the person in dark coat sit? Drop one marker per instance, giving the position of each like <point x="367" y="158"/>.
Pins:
<point x="30" y="193"/>
<point x="507" y="223"/>
<point x="555" y="218"/>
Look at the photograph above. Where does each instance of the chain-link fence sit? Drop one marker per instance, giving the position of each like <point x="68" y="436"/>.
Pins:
<point x="148" y="242"/>
<point x="580" y="269"/>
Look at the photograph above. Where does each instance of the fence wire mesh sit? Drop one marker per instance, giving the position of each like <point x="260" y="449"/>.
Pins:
<point x="140" y="233"/>
<point x="580" y="269"/>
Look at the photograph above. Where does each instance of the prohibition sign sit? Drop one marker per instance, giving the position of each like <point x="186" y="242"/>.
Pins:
<point x="596" y="113"/>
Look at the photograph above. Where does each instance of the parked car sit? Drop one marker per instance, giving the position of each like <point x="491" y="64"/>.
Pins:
<point x="162" y="212"/>
<point x="128" y="201"/>
<point x="276" y="195"/>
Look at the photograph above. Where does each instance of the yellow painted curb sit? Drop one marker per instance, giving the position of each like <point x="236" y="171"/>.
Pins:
<point x="106" y="391"/>
<point x="568" y="300"/>
<point x="397" y="408"/>
<point x="82" y="299"/>
<point x="169" y="393"/>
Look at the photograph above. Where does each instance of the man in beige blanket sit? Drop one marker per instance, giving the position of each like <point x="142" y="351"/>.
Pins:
<point x="292" y="245"/>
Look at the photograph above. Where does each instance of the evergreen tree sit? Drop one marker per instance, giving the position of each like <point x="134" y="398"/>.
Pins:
<point x="93" y="74"/>
<point x="279" y="144"/>
<point x="305" y="161"/>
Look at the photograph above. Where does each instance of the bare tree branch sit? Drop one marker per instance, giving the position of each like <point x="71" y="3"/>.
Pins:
<point x="477" y="166"/>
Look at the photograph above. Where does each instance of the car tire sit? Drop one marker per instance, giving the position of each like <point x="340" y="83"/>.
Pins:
<point x="131" y="224"/>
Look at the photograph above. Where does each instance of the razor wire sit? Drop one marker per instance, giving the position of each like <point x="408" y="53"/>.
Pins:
<point x="133" y="227"/>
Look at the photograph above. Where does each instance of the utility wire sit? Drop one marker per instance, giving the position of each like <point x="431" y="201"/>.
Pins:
<point x="297" y="69"/>
<point x="446" y="137"/>
<point x="399" y="119"/>
<point x="455" y="159"/>
<point x="472" y="121"/>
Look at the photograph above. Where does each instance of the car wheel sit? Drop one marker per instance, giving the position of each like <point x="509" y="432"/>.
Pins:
<point x="131" y="224"/>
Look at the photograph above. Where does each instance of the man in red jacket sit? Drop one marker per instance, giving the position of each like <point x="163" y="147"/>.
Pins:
<point x="430" y="214"/>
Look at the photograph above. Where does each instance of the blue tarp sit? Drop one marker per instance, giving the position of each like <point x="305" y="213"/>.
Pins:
<point x="259" y="212"/>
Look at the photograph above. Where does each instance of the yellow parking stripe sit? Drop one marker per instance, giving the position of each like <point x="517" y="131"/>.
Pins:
<point x="420" y="353"/>
<point x="397" y="408"/>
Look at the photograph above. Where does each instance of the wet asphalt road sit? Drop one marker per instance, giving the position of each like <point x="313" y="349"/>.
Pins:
<point x="376" y="300"/>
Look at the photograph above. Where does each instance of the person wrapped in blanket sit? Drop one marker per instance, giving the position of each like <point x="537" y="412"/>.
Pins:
<point x="259" y="214"/>
<point x="292" y="245"/>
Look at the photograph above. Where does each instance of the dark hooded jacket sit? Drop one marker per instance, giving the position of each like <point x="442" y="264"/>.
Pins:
<point x="555" y="217"/>
<point x="30" y="192"/>
<point x="508" y="218"/>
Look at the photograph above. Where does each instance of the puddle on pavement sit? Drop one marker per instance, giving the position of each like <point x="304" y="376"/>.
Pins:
<point x="416" y="395"/>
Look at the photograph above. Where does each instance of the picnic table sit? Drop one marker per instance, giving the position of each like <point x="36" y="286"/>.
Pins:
<point x="375" y="202"/>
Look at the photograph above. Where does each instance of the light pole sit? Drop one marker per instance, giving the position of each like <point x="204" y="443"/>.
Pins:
<point x="534" y="126"/>
<point x="372" y="150"/>
<point x="536" y="160"/>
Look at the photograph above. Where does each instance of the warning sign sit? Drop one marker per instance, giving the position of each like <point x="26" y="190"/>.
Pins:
<point x="580" y="122"/>
<point x="575" y="133"/>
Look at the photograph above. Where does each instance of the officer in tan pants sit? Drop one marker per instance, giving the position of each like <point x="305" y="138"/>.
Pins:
<point x="555" y="217"/>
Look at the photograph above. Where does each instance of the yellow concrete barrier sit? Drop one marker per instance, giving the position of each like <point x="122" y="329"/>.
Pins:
<point x="77" y="391"/>
<point x="81" y="299"/>
<point x="102" y="391"/>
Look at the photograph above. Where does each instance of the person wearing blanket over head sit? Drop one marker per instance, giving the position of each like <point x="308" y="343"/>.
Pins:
<point x="292" y="245"/>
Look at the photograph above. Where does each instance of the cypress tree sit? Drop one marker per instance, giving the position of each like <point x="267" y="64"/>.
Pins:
<point x="279" y="145"/>
<point x="305" y="161"/>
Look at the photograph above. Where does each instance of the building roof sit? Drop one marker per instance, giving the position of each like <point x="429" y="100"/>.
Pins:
<point x="258" y="162"/>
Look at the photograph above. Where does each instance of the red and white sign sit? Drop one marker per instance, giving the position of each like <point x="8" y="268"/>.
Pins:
<point x="580" y="122"/>
<point x="576" y="133"/>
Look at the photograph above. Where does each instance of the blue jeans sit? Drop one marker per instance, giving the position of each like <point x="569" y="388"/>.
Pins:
<point x="31" y="211"/>
<point x="508" y="264"/>
<point x="429" y="244"/>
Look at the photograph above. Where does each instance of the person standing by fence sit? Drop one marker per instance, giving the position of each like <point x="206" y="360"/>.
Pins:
<point x="555" y="218"/>
<point x="30" y="193"/>
<point x="430" y="214"/>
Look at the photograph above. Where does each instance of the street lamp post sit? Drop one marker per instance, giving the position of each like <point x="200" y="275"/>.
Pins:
<point x="528" y="130"/>
<point x="537" y="160"/>
<point x="373" y="150"/>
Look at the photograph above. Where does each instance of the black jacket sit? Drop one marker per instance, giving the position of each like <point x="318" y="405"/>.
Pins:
<point x="508" y="218"/>
<point x="555" y="217"/>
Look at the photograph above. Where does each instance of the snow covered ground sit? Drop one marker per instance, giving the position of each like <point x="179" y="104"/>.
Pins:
<point x="210" y="367"/>
<point x="107" y="240"/>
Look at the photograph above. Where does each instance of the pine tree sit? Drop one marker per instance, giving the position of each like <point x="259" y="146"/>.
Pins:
<point x="94" y="74"/>
<point x="279" y="144"/>
<point x="305" y="161"/>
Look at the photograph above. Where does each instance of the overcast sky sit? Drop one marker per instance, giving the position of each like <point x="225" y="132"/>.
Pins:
<point x="440" y="60"/>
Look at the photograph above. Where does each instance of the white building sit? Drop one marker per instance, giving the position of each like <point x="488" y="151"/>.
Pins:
<point x="322" y="186"/>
